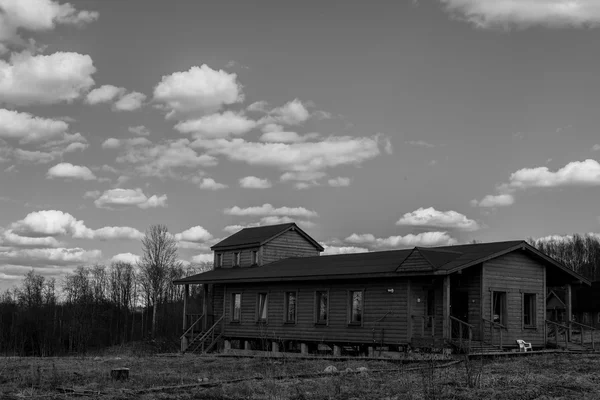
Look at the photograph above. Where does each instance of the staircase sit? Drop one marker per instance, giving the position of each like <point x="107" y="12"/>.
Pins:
<point x="204" y="341"/>
<point x="571" y="336"/>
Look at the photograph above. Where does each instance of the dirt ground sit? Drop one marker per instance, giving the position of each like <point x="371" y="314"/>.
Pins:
<point x="544" y="376"/>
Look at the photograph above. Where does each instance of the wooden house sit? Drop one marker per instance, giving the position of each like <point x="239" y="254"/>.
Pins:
<point x="271" y="288"/>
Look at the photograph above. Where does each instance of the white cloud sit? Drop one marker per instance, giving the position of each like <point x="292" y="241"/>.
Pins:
<point x="525" y="13"/>
<point x="200" y="89"/>
<point x="130" y="102"/>
<point x="500" y="200"/>
<point x="203" y="258"/>
<point x="37" y="16"/>
<point x="117" y="232"/>
<point x="140" y="130"/>
<point x="34" y="157"/>
<point x="45" y="79"/>
<point x="111" y="143"/>
<point x="217" y="125"/>
<point x="10" y="238"/>
<point x="104" y="94"/>
<point x="410" y="240"/>
<point x="68" y="170"/>
<point x="344" y="250"/>
<point x="269" y="220"/>
<point x="92" y="194"/>
<point x="129" y="197"/>
<point x="253" y="182"/>
<point x="196" y="234"/>
<point x="291" y="113"/>
<point x="128" y="258"/>
<point x="286" y="137"/>
<point x="596" y="147"/>
<point x="576" y="173"/>
<point x="211" y="184"/>
<point x="49" y="256"/>
<point x="258" y="106"/>
<point x="439" y="219"/>
<point x="28" y="128"/>
<point x="419" y="143"/>
<point x="269" y="210"/>
<point x="339" y="182"/>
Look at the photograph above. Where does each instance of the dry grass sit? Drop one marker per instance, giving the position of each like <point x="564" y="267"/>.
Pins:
<point x="549" y="376"/>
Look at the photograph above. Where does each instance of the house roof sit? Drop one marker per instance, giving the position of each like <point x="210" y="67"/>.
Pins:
<point x="394" y="263"/>
<point x="257" y="236"/>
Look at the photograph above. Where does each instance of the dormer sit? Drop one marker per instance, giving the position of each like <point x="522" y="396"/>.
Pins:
<point x="252" y="247"/>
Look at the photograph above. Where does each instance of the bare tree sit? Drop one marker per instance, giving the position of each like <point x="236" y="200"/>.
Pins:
<point x="159" y="255"/>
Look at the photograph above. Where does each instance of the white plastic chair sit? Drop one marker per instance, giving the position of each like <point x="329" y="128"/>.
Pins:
<point x="523" y="345"/>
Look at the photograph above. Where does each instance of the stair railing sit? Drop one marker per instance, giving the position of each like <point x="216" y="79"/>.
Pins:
<point x="494" y="326"/>
<point x="425" y="321"/>
<point x="191" y="328"/>
<point x="582" y="329"/>
<point x="460" y="327"/>
<point x="210" y="332"/>
<point x="556" y="328"/>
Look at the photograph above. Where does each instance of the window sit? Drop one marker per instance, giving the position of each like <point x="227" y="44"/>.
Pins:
<point x="290" y="301"/>
<point x="430" y="306"/>
<point x="220" y="259"/>
<point x="356" y="307"/>
<point x="261" y="307"/>
<point x="236" y="307"/>
<point x="499" y="307"/>
<point x="254" y="257"/>
<point x="585" y="318"/>
<point x="236" y="259"/>
<point x="321" y="307"/>
<point x="529" y="308"/>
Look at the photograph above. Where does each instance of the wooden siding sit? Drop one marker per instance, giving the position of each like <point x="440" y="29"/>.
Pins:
<point x="289" y="244"/>
<point x="516" y="273"/>
<point x="384" y="314"/>
<point x="416" y="262"/>
<point x="469" y="281"/>
<point x="245" y="257"/>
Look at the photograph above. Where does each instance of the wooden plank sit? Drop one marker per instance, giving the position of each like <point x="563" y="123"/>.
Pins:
<point x="446" y="308"/>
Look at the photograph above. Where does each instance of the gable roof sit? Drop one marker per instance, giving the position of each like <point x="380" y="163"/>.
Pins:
<point x="394" y="263"/>
<point x="257" y="236"/>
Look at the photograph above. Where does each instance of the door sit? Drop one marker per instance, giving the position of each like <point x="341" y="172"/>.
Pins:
<point x="459" y="308"/>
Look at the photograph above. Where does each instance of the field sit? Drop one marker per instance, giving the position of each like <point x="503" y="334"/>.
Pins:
<point x="543" y="376"/>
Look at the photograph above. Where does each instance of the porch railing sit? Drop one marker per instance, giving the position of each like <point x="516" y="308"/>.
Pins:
<point x="577" y="327"/>
<point x="493" y="327"/>
<point x="461" y="331"/>
<point x="192" y="325"/>
<point x="208" y="336"/>
<point x="426" y="321"/>
<point x="554" y="329"/>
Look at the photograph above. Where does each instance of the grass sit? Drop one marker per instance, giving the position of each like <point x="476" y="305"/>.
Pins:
<point x="547" y="376"/>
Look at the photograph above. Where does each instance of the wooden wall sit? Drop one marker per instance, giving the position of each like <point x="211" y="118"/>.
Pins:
<point x="384" y="316"/>
<point x="289" y="244"/>
<point x="516" y="273"/>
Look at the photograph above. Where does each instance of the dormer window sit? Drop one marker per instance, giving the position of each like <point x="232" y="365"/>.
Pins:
<point x="254" y="257"/>
<point x="236" y="259"/>
<point x="220" y="259"/>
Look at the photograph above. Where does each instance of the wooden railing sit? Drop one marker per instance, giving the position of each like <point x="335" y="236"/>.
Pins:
<point x="582" y="330"/>
<point x="192" y="326"/>
<point x="425" y="321"/>
<point x="462" y="331"/>
<point x="493" y="326"/>
<point x="210" y="333"/>
<point x="555" y="329"/>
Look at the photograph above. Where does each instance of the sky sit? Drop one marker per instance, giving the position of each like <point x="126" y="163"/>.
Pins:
<point x="373" y="125"/>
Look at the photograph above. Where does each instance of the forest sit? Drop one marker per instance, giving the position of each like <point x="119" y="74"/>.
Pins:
<point x="98" y="306"/>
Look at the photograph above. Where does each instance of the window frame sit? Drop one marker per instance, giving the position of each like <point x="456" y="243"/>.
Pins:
<point x="286" y="320"/>
<point x="350" y="304"/>
<point x="503" y="316"/>
<point x="232" y="308"/>
<point x="254" y="257"/>
<point x="219" y="260"/>
<point x="237" y="258"/>
<point x="526" y="301"/>
<point x="258" y="318"/>
<point x="317" y="308"/>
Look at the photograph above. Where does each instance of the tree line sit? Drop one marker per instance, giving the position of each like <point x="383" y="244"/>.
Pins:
<point x="101" y="305"/>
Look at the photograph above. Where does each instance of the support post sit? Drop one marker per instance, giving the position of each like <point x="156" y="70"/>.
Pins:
<point x="303" y="348"/>
<point x="569" y="304"/>
<point x="371" y="351"/>
<point x="205" y="325"/>
<point x="275" y="347"/>
<point x="226" y="346"/>
<point x="337" y="350"/>
<point x="446" y="308"/>
<point x="247" y="345"/>
<point x="184" y="339"/>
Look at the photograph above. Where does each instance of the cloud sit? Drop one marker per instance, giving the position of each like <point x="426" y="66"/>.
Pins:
<point x="128" y="258"/>
<point x="410" y="240"/>
<point x="139" y="130"/>
<point x="291" y="113"/>
<point x="258" y="106"/>
<point x="211" y="184"/>
<point x="488" y="14"/>
<point x="268" y="220"/>
<point x="339" y="182"/>
<point x="196" y="234"/>
<point x="596" y="147"/>
<point x="68" y="170"/>
<point x="203" y="258"/>
<point x="419" y="143"/>
<point x="576" y="173"/>
<point x="130" y="102"/>
<point x="269" y="210"/>
<point x="129" y="198"/>
<point x="200" y="89"/>
<point x="117" y="232"/>
<point x="10" y="238"/>
<point x="330" y="250"/>
<point x="252" y="182"/>
<point x="37" y="16"/>
<point x="92" y="194"/>
<point x="286" y="137"/>
<point x="111" y="143"/>
<point x="104" y="94"/>
<point x="45" y="79"/>
<point x="217" y="125"/>
<point x="439" y="219"/>
<point x="46" y="257"/>
<point x="500" y="200"/>
<point x="28" y="128"/>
